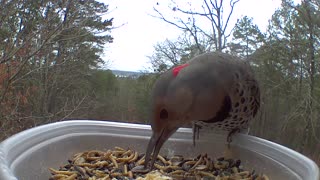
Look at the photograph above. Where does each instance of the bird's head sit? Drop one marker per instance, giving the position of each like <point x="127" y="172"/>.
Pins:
<point x="166" y="115"/>
<point x="164" y="123"/>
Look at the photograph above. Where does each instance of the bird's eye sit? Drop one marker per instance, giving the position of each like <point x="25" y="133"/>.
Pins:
<point x="164" y="114"/>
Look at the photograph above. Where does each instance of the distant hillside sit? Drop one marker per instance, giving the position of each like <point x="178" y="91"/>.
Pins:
<point x="120" y="73"/>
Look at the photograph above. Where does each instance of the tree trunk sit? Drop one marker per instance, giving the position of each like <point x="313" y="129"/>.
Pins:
<point x="306" y="136"/>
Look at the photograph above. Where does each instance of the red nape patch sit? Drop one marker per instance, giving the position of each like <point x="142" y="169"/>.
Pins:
<point x="177" y="69"/>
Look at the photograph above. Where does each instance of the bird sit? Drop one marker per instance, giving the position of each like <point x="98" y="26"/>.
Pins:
<point x="213" y="90"/>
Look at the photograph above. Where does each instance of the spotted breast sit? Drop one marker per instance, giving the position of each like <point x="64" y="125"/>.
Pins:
<point x="238" y="108"/>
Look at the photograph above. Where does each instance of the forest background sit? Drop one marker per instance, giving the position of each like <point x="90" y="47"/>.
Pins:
<point x="51" y="66"/>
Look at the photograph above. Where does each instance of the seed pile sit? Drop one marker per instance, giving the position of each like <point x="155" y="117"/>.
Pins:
<point x="127" y="164"/>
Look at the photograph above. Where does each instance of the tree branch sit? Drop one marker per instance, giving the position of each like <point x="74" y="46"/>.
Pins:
<point x="232" y="4"/>
<point x="167" y="21"/>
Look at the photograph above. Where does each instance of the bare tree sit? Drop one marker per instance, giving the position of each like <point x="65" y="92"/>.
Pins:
<point x="174" y="52"/>
<point x="166" y="53"/>
<point x="190" y="20"/>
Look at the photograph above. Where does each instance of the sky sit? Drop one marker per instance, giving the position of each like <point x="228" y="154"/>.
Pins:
<point x="139" y="32"/>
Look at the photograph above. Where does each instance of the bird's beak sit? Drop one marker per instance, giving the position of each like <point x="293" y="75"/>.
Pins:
<point x="156" y="141"/>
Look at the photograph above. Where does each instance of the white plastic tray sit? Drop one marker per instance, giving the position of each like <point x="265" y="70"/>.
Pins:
<point x="28" y="154"/>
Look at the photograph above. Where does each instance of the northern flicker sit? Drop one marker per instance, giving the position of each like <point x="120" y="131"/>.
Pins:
<point x="213" y="90"/>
